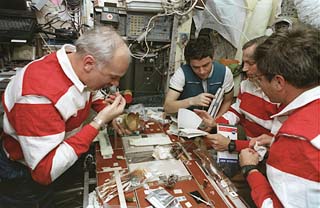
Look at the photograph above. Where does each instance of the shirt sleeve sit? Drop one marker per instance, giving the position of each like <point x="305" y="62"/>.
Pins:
<point x="49" y="147"/>
<point x="261" y="191"/>
<point x="61" y="158"/>
<point x="177" y="81"/>
<point x="228" y="83"/>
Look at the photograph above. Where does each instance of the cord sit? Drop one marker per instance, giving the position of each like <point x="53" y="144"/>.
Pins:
<point x="167" y="6"/>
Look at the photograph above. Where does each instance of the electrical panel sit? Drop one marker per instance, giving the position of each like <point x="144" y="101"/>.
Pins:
<point x="149" y="76"/>
<point x="160" y="27"/>
<point x="147" y="79"/>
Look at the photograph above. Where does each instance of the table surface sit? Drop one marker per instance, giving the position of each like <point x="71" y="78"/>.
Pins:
<point x="198" y="182"/>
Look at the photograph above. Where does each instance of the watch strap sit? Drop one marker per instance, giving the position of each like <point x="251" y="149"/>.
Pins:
<point x="247" y="168"/>
<point x="100" y="123"/>
<point x="232" y="146"/>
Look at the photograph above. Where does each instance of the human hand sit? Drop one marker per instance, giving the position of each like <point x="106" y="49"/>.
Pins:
<point x="207" y="120"/>
<point x="263" y="140"/>
<point x="119" y="128"/>
<point x="218" y="142"/>
<point x="108" y="100"/>
<point x="112" y="110"/>
<point x="203" y="99"/>
<point x="248" y="157"/>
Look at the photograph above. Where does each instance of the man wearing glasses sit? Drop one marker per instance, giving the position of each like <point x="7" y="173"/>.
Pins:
<point x="289" y="63"/>
<point x="252" y="110"/>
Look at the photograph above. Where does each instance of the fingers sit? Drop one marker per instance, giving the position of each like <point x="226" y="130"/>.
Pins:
<point x="203" y="114"/>
<point x="248" y="157"/>
<point x="203" y="99"/>
<point x="214" y="142"/>
<point x="108" y="101"/>
<point x="123" y="101"/>
<point x="119" y="104"/>
<point x="119" y="128"/>
<point x="127" y="131"/>
<point x="207" y="129"/>
<point x="198" y="111"/>
<point x="252" y="151"/>
<point x="218" y="142"/>
<point x="264" y="140"/>
<point x="112" y="97"/>
<point x="252" y="142"/>
<point x="208" y="95"/>
<point x="212" y="139"/>
<point x="113" y="110"/>
<point x="117" y="100"/>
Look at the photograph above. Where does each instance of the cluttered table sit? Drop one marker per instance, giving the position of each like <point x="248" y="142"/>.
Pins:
<point x="154" y="169"/>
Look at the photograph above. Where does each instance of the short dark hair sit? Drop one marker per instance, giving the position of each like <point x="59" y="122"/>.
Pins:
<point x="293" y="54"/>
<point x="198" y="49"/>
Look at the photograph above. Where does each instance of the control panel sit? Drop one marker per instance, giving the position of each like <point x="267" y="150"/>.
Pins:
<point x="159" y="29"/>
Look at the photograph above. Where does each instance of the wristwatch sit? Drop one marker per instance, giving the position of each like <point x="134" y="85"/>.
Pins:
<point x="232" y="146"/>
<point x="246" y="169"/>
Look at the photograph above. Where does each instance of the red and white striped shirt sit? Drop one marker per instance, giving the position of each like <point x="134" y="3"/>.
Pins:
<point x="252" y="110"/>
<point x="293" y="166"/>
<point x="45" y="106"/>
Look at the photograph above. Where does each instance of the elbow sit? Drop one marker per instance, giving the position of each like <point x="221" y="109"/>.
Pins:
<point x="42" y="180"/>
<point x="166" y="108"/>
<point x="41" y="175"/>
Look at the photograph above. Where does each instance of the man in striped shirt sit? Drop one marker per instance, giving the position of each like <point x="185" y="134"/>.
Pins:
<point x="46" y="104"/>
<point x="252" y="109"/>
<point x="288" y="72"/>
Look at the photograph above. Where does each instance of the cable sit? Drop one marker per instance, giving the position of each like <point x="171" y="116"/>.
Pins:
<point x="148" y="29"/>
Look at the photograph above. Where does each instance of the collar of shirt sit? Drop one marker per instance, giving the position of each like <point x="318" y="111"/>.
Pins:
<point x="255" y="87"/>
<point x="67" y="67"/>
<point x="303" y="99"/>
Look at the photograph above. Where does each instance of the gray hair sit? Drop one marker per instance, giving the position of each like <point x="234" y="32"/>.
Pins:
<point x="101" y="43"/>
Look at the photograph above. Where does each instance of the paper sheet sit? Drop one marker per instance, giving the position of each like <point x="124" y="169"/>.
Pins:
<point x="188" y="119"/>
<point x="187" y="124"/>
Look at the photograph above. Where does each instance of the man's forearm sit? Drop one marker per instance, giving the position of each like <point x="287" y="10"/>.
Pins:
<point x="173" y="106"/>
<point x="224" y="108"/>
